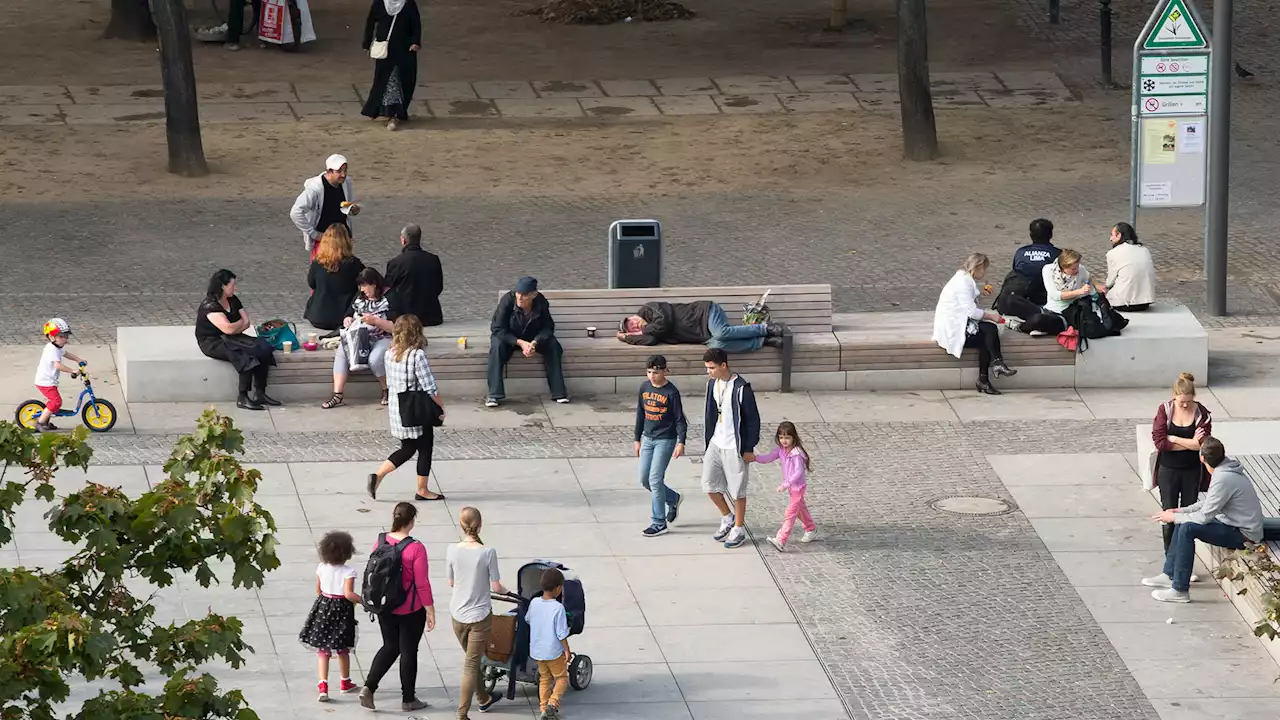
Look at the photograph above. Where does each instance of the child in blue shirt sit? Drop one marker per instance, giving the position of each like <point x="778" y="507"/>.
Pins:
<point x="549" y="644"/>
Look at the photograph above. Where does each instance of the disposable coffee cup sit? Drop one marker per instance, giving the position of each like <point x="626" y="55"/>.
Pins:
<point x="311" y="338"/>
<point x="288" y="346"/>
<point x="591" y="332"/>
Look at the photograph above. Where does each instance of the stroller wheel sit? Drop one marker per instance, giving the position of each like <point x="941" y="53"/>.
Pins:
<point x="580" y="672"/>
<point x="491" y="677"/>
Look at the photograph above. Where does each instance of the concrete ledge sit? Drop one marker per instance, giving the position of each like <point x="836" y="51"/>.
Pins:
<point x="163" y="364"/>
<point x="1156" y="346"/>
<point x="1239" y="437"/>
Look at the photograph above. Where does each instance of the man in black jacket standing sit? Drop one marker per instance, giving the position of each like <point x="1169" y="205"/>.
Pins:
<point x="702" y="322"/>
<point x="523" y="322"/>
<point x="416" y="280"/>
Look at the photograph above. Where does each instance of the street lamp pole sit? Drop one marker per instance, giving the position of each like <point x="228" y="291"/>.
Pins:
<point x="1219" y="160"/>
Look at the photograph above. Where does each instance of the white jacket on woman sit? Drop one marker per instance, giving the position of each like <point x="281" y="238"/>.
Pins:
<point x="1131" y="275"/>
<point x="957" y="305"/>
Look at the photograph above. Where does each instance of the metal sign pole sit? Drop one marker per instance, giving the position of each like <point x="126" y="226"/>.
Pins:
<point x="1215" y="236"/>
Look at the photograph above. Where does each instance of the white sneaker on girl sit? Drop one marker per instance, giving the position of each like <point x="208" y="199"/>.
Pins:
<point x="809" y="536"/>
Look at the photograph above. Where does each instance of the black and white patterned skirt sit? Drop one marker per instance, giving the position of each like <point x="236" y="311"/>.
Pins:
<point x="331" y="625"/>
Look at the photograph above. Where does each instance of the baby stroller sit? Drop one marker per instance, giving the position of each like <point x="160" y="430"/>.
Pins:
<point x="508" y="653"/>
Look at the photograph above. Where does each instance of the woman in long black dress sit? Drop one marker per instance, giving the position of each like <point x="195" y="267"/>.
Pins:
<point x="220" y="324"/>
<point x="396" y="75"/>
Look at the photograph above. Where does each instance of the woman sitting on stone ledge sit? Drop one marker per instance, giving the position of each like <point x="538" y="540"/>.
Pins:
<point x="221" y="322"/>
<point x="959" y="323"/>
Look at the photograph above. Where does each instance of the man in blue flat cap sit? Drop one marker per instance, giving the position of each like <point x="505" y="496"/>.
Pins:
<point x="523" y="322"/>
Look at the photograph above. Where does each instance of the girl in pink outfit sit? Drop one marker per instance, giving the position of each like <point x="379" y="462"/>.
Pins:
<point x="795" y="465"/>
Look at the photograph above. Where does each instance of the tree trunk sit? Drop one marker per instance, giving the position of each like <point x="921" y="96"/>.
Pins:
<point x="178" y="72"/>
<point x="130" y="20"/>
<point x="839" y="14"/>
<point x="919" y="130"/>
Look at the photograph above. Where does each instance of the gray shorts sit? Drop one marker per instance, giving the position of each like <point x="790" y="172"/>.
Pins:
<point x="725" y="472"/>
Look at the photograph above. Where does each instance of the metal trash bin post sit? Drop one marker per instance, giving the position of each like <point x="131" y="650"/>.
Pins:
<point x="635" y="254"/>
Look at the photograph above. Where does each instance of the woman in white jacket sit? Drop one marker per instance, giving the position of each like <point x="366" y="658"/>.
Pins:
<point x="1131" y="273"/>
<point x="959" y="323"/>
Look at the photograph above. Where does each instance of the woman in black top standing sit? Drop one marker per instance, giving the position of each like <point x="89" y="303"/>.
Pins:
<point x="332" y="279"/>
<point x="1177" y="430"/>
<point x="220" y="324"/>
<point x="394" y="77"/>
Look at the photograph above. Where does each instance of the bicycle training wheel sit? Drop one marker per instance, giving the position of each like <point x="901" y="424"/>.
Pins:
<point x="99" y="415"/>
<point x="27" y="413"/>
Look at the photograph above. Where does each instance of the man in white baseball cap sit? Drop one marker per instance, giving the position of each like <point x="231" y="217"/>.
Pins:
<point x="327" y="199"/>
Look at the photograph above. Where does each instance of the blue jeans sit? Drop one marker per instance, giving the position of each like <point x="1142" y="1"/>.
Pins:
<point x="1181" y="555"/>
<point x="732" y="338"/>
<point x="655" y="455"/>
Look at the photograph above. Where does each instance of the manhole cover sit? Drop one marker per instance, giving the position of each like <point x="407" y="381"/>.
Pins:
<point x="972" y="506"/>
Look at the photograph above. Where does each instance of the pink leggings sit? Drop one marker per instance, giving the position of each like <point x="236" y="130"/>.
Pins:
<point x="796" y="509"/>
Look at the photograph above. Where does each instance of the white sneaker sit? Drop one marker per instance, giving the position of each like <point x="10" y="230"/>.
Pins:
<point x="1159" y="581"/>
<point x="737" y="537"/>
<point x="1012" y="323"/>
<point x="809" y="536"/>
<point x="1171" y="595"/>
<point x="776" y="545"/>
<point x="1195" y="577"/>
<point x="491" y="402"/>
<point x="726" y="524"/>
<point x="1037" y="333"/>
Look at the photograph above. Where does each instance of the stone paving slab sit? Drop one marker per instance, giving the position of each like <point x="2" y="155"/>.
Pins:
<point x="445" y="91"/>
<point x="567" y="88"/>
<point x="33" y="95"/>
<point x="254" y="92"/>
<point x="747" y="104"/>
<point x="504" y="89"/>
<point x="820" y="102"/>
<point x="327" y="92"/>
<point x="686" y="86"/>
<point x="629" y="88"/>
<point x="327" y="111"/>
<point x="879" y="100"/>
<point x="687" y="105"/>
<point x="754" y="85"/>
<point x="463" y="108"/>
<point x="822" y="83"/>
<point x="619" y="107"/>
<point x="117" y="94"/>
<point x="541" y="108"/>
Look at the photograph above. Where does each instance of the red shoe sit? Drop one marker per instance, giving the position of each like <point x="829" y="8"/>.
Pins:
<point x="323" y="687"/>
<point x="348" y="686"/>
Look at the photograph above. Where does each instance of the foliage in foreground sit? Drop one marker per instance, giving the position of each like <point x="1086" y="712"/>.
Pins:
<point x="81" y="619"/>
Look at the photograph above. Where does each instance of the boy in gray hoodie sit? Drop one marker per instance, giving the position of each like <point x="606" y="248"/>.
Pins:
<point x="1226" y="516"/>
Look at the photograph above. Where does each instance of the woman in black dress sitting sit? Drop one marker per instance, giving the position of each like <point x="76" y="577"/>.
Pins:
<point x="220" y="324"/>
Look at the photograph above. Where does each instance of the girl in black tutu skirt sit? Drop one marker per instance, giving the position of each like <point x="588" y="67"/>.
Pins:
<point x="331" y="625"/>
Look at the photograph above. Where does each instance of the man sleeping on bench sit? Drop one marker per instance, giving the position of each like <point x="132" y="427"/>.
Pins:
<point x="702" y="322"/>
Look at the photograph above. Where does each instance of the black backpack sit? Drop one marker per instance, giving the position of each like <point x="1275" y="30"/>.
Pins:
<point x="384" y="589"/>
<point x="1093" y="317"/>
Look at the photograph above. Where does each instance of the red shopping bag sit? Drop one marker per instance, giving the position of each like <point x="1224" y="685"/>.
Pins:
<point x="271" y="24"/>
<point x="1070" y="339"/>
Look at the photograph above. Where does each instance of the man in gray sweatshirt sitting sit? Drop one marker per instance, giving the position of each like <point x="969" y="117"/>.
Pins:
<point x="1227" y="516"/>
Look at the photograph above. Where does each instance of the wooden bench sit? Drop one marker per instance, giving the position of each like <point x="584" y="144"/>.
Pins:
<point x="893" y="351"/>
<point x="805" y="309"/>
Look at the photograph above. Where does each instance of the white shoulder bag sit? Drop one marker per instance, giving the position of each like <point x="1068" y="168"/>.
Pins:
<point x="378" y="48"/>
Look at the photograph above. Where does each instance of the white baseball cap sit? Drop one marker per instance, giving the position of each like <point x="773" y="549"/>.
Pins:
<point x="335" y="162"/>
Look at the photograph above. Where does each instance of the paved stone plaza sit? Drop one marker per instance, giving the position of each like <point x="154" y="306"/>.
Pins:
<point x="899" y="611"/>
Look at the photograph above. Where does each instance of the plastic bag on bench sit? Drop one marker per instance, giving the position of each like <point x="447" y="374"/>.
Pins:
<point x="358" y="345"/>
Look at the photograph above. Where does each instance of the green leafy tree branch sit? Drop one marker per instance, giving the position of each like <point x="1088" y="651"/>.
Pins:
<point x="81" y="619"/>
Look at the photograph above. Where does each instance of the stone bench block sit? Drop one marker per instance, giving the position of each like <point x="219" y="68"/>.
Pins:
<point x="1156" y="346"/>
<point x="1239" y="437"/>
<point x="163" y="364"/>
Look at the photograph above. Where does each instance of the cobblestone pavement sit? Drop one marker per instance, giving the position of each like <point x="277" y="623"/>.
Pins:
<point x="267" y="102"/>
<point x="914" y="614"/>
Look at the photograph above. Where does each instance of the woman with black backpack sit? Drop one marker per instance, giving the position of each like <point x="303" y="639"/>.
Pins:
<point x="398" y="590"/>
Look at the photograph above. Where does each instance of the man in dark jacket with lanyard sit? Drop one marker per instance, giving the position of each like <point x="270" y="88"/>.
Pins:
<point x="523" y="321"/>
<point x="702" y="322"/>
<point x="1022" y="295"/>
<point x="416" y="280"/>
<point x="732" y="427"/>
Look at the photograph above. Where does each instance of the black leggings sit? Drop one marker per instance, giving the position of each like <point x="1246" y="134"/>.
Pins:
<point x="400" y="637"/>
<point x="255" y="378"/>
<point x="987" y="340"/>
<point x="421" y="445"/>
<point x="1033" y="316"/>
<point x="1179" y="487"/>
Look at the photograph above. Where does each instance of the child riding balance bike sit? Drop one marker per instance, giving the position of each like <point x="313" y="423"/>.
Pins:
<point x="98" y="415"/>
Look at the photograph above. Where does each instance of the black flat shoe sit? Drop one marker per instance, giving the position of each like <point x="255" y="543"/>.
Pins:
<point x="265" y="399"/>
<point x="372" y="485"/>
<point x="247" y="403"/>
<point x="424" y="498"/>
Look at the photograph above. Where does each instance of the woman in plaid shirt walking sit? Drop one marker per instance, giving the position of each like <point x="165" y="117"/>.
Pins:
<point x="407" y="368"/>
